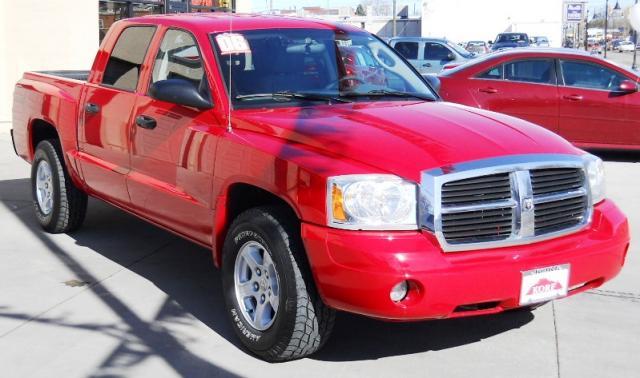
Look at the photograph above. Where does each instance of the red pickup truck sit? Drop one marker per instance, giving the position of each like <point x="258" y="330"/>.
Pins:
<point x="321" y="170"/>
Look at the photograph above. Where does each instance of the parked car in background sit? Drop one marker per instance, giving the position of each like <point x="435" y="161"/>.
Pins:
<point x="320" y="171"/>
<point x="594" y="46"/>
<point x="477" y="47"/>
<point x="429" y="55"/>
<point x="625" y="46"/>
<point x="510" y="40"/>
<point x="540" y="41"/>
<point x="613" y="45"/>
<point x="590" y="101"/>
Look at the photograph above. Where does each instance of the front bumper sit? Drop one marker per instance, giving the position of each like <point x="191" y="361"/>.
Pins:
<point x="355" y="270"/>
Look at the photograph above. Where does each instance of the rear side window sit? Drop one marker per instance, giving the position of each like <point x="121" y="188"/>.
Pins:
<point x="435" y="51"/>
<point x="530" y="71"/>
<point x="178" y="58"/>
<point x="407" y="49"/>
<point x="123" y="67"/>
<point x="589" y="75"/>
<point x="494" y="73"/>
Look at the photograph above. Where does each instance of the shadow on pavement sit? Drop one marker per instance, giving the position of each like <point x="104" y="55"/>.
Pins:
<point x="359" y="338"/>
<point x="617" y="155"/>
<point x="180" y="277"/>
<point x="185" y="273"/>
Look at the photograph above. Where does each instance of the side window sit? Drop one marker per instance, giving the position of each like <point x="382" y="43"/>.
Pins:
<point x="435" y="51"/>
<point x="589" y="75"/>
<point x="178" y="58"/>
<point x="530" y="71"/>
<point x="123" y="66"/>
<point x="493" y="73"/>
<point x="407" y="49"/>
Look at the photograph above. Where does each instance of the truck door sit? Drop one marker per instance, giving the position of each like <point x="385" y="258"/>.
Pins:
<point x="410" y="51"/>
<point x="435" y="56"/>
<point x="103" y="134"/>
<point x="173" y="146"/>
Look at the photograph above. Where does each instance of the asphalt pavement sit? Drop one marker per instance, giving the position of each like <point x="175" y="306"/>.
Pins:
<point x="120" y="297"/>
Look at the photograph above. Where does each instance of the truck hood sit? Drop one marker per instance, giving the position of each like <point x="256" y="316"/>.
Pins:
<point x="403" y="137"/>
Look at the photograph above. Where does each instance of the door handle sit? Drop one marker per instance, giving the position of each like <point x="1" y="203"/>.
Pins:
<point x="91" y="108"/>
<point x="488" y="90"/>
<point x="146" y="122"/>
<point x="573" y="97"/>
<point x="426" y="65"/>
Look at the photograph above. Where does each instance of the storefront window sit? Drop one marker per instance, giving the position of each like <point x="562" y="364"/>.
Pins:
<point x="114" y="10"/>
<point x="209" y="5"/>
<point x="109" y="13"/>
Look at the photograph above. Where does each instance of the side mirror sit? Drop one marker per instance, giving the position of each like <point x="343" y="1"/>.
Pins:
<point x="628" y="86"/>
<point x="450" y="56"/>
<point x="181" y="92"/>
<point x="490" y="42"/>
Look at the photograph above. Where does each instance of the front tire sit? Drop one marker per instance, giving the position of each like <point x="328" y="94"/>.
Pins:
<point x="268" y="289"/>
<point x="59" y="205"/>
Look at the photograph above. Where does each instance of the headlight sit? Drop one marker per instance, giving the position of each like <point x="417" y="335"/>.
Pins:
<point x="371" y="202"/>
<point x="595" y="174"/>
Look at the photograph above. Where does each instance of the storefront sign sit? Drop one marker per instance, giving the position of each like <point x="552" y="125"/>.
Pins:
<point x="177" y="6"/>
<point x="574" y="12"/>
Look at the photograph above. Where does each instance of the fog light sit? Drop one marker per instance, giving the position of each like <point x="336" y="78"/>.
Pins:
<point x="399" y="292"/>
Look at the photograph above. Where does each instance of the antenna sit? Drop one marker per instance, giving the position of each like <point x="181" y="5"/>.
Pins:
<point x="229" y="129"/>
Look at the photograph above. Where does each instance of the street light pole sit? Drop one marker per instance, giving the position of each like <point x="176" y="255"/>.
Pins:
<point x="586" y="32"/>
<point x="635" y="47"/>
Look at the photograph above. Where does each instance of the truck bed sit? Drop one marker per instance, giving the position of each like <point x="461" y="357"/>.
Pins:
<point x="68" y="74"/>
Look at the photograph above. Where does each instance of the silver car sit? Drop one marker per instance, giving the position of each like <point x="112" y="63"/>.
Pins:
<point x="429" y="55"/>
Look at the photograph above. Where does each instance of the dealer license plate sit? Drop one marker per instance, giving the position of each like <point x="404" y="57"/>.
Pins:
<point x="544" y="284"/>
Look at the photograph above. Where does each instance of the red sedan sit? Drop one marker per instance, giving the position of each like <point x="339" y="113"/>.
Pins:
<point x="590" y="101"/>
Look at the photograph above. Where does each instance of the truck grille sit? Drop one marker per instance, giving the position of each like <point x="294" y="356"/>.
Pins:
<point x="564" y="213"/>
<point x="477" y="189"/>
<point x="480" y="225"/>
<point x="490" y="207"/>
<point x="477" y="226"/>
<point x="544" y="181"/>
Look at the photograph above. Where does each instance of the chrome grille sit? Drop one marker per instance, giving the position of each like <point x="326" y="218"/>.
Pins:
<point x="505" y="201"/>
<point x="477" y="189"/>
<point x="477" y="226"/>
<point x="545" y="181"/>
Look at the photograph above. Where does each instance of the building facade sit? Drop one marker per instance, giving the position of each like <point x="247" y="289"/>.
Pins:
<point x="37" y="35"/>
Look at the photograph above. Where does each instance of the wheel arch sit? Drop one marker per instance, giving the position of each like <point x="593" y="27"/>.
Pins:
<point x="237" y="198"/>
<point x="40" y="129"/>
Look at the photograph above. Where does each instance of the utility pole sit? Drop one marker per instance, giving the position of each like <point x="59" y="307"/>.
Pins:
<point x="394" y="18"/>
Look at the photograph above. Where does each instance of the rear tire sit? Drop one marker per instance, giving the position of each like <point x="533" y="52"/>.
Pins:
<point x="298" y="323"/>
<point x="59" y="205"/>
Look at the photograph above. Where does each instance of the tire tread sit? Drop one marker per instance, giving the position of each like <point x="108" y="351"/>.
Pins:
<point x="73" y="202"/>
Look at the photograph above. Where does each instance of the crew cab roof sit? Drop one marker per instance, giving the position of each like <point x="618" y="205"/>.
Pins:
<point x="215" y="22"/>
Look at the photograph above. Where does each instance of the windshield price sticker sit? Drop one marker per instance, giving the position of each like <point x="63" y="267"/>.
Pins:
<point x="230" y="43"/>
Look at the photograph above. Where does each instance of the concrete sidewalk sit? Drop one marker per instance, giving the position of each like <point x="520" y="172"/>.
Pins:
<point x="122" y="298"/>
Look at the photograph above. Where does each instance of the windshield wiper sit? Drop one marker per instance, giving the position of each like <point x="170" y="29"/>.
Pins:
<point x="292" y="95"/>
<point x="385" y="92"/>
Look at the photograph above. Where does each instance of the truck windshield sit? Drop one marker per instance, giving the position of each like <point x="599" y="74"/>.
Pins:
<point x="281" y="66"/>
